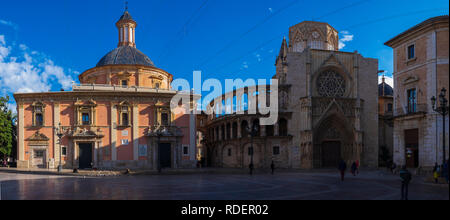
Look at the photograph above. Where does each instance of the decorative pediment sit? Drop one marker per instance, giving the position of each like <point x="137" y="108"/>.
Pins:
<point x="333" y="61"/>
<point x="160" y="103"/>
<point x="164" y="131"/>
<point x="410" y="79"/>
<point x="38" y="137"/>
<point x="124" y="74"/>
<point x="90" y="103"/>
<point x="154" y="76"/>
<point x="124" y="103"/>
<point x="86" y="133"/>
<point x="38" y="103"/>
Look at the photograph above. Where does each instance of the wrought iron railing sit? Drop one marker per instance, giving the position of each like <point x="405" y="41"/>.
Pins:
<point x="411" y="110"/>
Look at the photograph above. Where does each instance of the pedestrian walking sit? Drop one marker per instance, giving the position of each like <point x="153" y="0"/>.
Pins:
<point x="393" y="167"/>
<point x="436" y="172"/>
<point x="405" y="177"/>
<point x="272" y="166"/>
<point x="357" y="167"/>
<point x="354" y="168"/>
<point x="342" y="168"/>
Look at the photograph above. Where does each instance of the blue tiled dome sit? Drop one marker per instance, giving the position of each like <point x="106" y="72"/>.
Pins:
<point x="385" y="90"/>
<point x="125" y="55"/>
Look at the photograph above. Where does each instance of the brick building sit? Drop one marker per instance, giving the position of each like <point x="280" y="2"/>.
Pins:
<point x="420" y="72"/>
<point x="118" y="117"/>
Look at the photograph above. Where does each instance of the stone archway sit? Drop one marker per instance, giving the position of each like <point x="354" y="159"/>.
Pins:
<point x="333" y="141"/>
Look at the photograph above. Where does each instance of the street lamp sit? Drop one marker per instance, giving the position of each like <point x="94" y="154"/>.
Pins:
<point x="159" y="135"/>
<point x="442" y="110"/>
<point x="253" y="132"/>
<point x="59" y="132"/>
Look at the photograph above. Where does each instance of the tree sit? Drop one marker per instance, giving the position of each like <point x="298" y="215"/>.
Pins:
<point x="6" y="128"/>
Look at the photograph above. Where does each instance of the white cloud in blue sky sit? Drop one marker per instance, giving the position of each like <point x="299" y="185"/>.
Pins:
<point x="10" y="24"/>
<point x="345" y="38"/>
<point x="27" y="71"/>
<point x="389" y="80"/>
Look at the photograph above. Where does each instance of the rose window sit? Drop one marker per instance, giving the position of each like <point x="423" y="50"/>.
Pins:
<point x="331" y="84"/>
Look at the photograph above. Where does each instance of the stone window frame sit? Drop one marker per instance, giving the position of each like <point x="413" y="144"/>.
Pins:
<point x="36" y="106"/>
<point x="390" y="107"/>
<point x="123" y="76"/>
<point x="158" y="115"/>
<point x="83" y="108"/>
<point x="121" y="109"/>
<point x="407" y="89"/>
<point x="64" y="150"/>
<point x="185" y="150"/>
<point x="408" y="45"/>
<point x="276" y="150"/>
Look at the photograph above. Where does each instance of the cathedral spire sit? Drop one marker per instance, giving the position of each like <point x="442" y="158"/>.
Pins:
<point x="283" y="51"/>
<point x="126" y="26"/>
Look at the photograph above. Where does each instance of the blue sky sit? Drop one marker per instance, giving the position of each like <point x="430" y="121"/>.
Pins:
<point x="50" y="42"/>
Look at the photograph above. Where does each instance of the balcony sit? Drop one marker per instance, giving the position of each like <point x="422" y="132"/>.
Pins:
<point x="117" y="88"/>
<point x="419" y="109"/>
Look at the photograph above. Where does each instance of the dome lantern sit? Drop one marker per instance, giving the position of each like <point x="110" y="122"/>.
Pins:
<point x="126" y="27"/>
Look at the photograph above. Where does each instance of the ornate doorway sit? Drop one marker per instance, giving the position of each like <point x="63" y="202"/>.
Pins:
<point x="85" y="155"/>
<point x="165" y="153"/>
<point x="333" y="140"/>
<point x="331" y="153"/>
<point x="39" y="158"/>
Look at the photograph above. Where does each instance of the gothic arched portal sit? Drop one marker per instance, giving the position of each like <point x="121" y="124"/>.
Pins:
<point x="333" y="141"/>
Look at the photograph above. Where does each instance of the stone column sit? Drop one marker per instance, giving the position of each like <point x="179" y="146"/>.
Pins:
<point x="239" y="133"/>
<point x="21" y="143"/>
<point x="135" y="132"/>
<point x="113" y="132"/>
<point x="56" y="144"/>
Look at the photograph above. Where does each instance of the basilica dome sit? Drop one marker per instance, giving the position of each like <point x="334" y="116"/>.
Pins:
<point x="385" y="90"/>
<point x="125" y="55"/>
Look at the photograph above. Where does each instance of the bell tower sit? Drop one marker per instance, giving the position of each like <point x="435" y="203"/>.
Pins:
<point x="126" y="26"/>
<point x="314" y="35"/>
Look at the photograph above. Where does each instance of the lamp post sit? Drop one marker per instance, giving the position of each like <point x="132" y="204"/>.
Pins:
<point x="59" y="133"/>
<point x="442" y="110"/>
<point x="159" y="134"/>
<point x="253" y="132"/>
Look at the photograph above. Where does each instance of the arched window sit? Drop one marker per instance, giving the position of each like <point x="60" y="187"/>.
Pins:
<point x="270" y="130"/>
<point x="235" y="130"/>
<point x="244" y="126"/>
<point x="283" y="127"/>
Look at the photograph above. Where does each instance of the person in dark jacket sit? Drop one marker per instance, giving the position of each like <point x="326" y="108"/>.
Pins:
<point x="342" y="168"/>
<point x="272" y="166"/>
<point x="405" y="177"/>
<point x="354" y="168"/>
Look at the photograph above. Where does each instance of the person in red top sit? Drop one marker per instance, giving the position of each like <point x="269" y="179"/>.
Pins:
<point x="357" y="167"/>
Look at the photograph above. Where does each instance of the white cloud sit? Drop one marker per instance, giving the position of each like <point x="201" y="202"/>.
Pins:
<point x="345" y="37"/>
<point x="29" y="72"/>
<point x="258" y="57"/>
<point x="10" y="24"/>
<point x="389" y="80"/>
<point x="245" y="65"/>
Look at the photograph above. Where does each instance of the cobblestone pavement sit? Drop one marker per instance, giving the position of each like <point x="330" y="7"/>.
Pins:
<point x="373" y="185"/>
